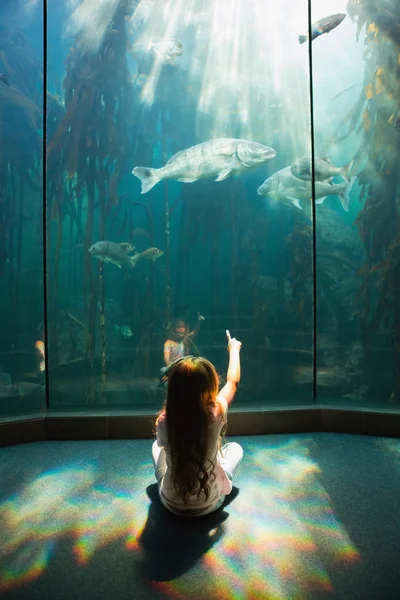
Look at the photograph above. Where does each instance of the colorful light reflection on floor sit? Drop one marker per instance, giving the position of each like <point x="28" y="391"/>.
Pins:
<point x="281" y="530"/>
<point x="276" y="543"/>
<point x="73" y="502"/>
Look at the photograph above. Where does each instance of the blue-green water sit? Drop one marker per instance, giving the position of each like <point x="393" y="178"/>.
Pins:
<point x="119" y="96"/>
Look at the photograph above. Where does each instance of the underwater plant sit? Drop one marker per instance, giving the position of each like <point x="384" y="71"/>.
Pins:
<point x="378" y="221"/>
<point x="20" y="158"/>
<point x="88" y="154"/>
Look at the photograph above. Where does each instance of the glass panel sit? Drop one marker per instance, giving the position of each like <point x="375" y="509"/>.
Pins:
<point x="356" y="114"/>
<point x="21" y="208"/>
<point x="137" y="83"/>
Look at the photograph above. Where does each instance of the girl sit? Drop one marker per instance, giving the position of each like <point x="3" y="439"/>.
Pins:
<point x="193" y="472"/>
<point x="180" y="339"/>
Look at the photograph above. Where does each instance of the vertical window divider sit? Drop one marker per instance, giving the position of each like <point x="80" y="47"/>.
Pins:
<point x="313" y="205"/>
<point x="44" y="211"/>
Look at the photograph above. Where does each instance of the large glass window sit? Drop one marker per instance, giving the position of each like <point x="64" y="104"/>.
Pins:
<point x="138" y="259"/>
<point x="179" y="199"/>
<point x="21" y="208"/>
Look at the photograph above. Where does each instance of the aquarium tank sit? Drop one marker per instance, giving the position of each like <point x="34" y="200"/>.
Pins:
<point x="173" y="169"/>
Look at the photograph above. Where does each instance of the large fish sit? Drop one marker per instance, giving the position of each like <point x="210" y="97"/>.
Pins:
<point x="220" y="158"/>
<point x="283" y="185"/>
<point x="323" y="169"/>
<point x="115" y="254"/>
<point x="322" y="26"/>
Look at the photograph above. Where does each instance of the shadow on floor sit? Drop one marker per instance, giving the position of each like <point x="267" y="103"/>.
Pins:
<point x="172" y="545"/>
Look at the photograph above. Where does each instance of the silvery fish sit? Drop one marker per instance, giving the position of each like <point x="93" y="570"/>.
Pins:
<point x="167" y="49"/>
<point x="322" y="26"/>
<point x="323" y="169"/>
<point x="115" y="254"/>
<point x="218" y="158"/>
<point x="149" y="254"/>
<point x="282" y="185"/>
<point x="326" y="376"/>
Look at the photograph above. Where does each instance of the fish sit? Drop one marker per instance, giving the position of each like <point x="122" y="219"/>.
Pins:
<point x="326" y="376"/>
<point x="322" y="26"/>
<point x="40" y="347"/>
<point x="112" y="253"/>
<point x="149" y="254"/>
<point x="167" y="49"/>
<point x="323" y="169"/>
<point x="4" y="78"/>
<point x="140" y="232"/>
<point x="220" y="158"/>
<point x="283" y="185"/>
<point x="124" y="330"/>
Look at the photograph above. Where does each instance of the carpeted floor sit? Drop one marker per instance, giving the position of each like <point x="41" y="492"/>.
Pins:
<point x="313" y="517"/>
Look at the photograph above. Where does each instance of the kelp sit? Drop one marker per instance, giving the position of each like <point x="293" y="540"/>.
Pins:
<point x="90" y="149"/>
<point x="20" y="154"/>
<point x="378" y="220"/>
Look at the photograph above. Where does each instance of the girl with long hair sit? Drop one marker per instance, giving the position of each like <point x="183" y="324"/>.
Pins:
<point x="194" y="473"/>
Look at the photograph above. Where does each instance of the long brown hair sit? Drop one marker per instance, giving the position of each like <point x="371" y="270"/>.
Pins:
<point x="192" y="391"/>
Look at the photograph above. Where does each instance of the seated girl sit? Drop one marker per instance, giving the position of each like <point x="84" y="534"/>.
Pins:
<point x="193" y="470"/>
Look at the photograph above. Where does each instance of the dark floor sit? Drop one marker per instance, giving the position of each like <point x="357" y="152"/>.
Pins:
<point x="315" y="516"/>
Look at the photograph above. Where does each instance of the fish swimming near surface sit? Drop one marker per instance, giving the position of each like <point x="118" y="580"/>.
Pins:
<point x="167" y="49"/>
<point x="4" y="78"/>
<point x="322" y="26"/>
<point x="124" y="330"/>
<point x="323" y="169"/>
<point x="114" y="254"/>
<point x="283" y="185"/>
<point x="220" y="158"/>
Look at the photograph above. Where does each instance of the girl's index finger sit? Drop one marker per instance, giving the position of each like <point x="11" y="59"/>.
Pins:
<point x="228" y="335"/>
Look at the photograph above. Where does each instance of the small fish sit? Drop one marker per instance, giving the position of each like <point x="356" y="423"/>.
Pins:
<point x="112" y="253"/>
<point x="4" y="78"/>
<point x="220" y="158"/>
<point x="41" y="350"/>
<point x="283" y="185"/>
<point x="124" y="330"/>
<point x="323" y="169"/>
<point x="167" y="49"/>
<point x="139" y="232"/>
<point x="326" y="376"/>
<point x="322" y="26"/>
<point x="149" y="254"/>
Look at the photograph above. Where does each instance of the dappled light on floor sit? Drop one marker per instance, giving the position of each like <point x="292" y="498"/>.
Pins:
<point x="282" y="535"/>
<point x="280" y="540"/>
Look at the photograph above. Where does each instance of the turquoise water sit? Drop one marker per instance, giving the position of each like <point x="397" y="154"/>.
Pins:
<point x="312" y="294"/>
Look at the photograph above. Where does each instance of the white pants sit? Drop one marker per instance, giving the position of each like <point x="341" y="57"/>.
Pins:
<point x="232" y="454"/>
